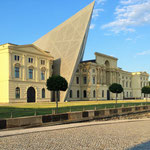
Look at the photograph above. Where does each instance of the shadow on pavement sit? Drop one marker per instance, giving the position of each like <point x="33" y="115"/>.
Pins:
<point x="143" y="146"/>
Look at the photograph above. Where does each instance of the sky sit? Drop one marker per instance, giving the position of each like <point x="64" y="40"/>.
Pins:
<point x="119" y="28"/>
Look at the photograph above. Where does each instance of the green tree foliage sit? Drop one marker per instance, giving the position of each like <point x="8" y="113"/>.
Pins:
<point x="146" y="90"/>
<point x="116" y="88"/>
<point x="56" y="83"/>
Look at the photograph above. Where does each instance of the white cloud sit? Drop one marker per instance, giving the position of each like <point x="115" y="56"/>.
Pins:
<point x="144" y="53"/>
<point x="129" y="39"/>
<point x="92" y="26"/>
<point x="96" y="12"/>
<point x="100" y="1"/>
<point x="126" y="2"/>
<point x="129" y="14"/>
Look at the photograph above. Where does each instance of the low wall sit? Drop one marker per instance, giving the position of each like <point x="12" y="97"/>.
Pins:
<point x="70" y="117"/>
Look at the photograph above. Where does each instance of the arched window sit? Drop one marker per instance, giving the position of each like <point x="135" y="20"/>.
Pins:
<point x="107" y="64"/>
<point x="94" y="94"/>
<point x="84" y="94"/>
<point x="70" y="93"/>
<point x="43" y="93"/>
<point x="17" y="93"/>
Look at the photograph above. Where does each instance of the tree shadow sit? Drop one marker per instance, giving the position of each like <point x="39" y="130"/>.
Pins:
<point x="143" y="146"/>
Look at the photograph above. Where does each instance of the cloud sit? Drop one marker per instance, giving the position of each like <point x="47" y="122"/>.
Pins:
<point x="100" y="1"/>
<point x="129" y="39"/>
<point x="128" y="15"/>
<point x="92" y="26"/>
<point x="96" y="12"/>
<point x="143" y="53"/>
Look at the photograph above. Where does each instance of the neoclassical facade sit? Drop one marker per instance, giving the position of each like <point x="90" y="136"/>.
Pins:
<point x="25" y="69"/>
<point x="94" y="77"/>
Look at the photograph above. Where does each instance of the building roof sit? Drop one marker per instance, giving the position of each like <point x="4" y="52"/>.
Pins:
<point x="104" y="55"/>
<point x="86" y="61"/>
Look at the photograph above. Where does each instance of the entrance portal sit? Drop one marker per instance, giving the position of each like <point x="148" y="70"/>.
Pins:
<point x="31" y="95"/>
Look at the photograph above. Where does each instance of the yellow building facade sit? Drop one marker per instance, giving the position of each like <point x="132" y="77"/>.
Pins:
<point x="93" y="78"/>
<point x="24" y="71"/>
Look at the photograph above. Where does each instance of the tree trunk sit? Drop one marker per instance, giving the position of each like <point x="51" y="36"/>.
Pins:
<point x="116" y="97"/>
<point x="56" y="98"/>
<point x="146" y="98"/>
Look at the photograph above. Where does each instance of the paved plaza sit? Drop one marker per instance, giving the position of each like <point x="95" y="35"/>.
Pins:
<point x="107" y="135"/>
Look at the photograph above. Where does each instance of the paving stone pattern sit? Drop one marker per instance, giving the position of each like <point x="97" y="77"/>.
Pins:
<point x="115" y="136"/>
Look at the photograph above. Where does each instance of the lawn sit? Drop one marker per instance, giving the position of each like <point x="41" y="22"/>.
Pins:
<point x="30" y="109"/>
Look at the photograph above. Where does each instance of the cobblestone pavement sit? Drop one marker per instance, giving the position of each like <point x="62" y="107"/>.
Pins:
<point x="114" y="136"/>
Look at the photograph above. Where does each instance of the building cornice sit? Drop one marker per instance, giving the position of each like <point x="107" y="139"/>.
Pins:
<point x="103" y="55"/>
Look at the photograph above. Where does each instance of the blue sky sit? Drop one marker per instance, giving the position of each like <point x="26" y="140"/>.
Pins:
<point x="120" y="28"/>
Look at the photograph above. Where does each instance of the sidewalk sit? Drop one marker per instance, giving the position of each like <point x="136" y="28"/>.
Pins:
<point x="5" y="133"/>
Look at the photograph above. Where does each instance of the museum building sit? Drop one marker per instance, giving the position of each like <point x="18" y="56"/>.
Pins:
<point x="93" y="78"/>
<point x="25" y="68"/>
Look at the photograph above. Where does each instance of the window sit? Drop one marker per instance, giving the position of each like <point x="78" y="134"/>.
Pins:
<point x="77" y="80"/>
<point x="130" y="84"/>
<point x="42" y="75"/>
<point x="30" y="60"/>
<point x="43" y="93"/>
<point x="93" y="80"/>
<point x="17" y="93"/>
<point x="93" y="70"/>
<point x="30" y="73"/>
<point x="127" y="84"/>
<point x="42" y="62"/>
<point x="16" y="72"/>
<point x="78" y="94"/>
<point x="70" y="94"/>
<point x="94" y="94"/>
<point x="102" y="93"/>
<point x="16" y="58"/>
<point x="127" y="94"/>
<point x="130" y="94"/>
<point x="84" y="80"/>
<point x="84" y="94"/>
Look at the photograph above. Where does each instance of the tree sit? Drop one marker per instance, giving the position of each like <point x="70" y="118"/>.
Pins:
<point x="146" y="90"/>
<point x="56" y="84"/>
<point x="116" y="88"/>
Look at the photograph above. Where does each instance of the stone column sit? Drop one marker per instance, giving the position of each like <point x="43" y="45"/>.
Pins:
<point x="97" y="69"/>
<point x="37" y="69"/>
<point x="23" y="67"/>
<point x="100" y="76"/>
<point x="111" y="77"/>
<point x="105" y="76"/>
